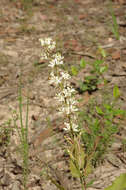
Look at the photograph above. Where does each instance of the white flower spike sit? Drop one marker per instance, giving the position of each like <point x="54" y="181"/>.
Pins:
<point x="60" y="79"/>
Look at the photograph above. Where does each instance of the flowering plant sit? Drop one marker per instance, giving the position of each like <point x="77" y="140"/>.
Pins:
<point x="79" y="164"/>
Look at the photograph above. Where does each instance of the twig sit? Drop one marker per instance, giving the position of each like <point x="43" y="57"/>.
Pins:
<point x="84" y="54"/>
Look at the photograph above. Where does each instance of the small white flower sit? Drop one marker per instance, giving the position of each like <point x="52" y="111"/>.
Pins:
<point x="65" y="75"/>
<point x="74" y="127"/>
<point x="60" y="97"/>
<point x="68" y="109"/>
<point x="44" y="56"/>
<point x="52" y="63"/>
<point x="72" y="109"/>
<point x="55" y="62"/>
<point x="48" y="42"/>
<point x="68" y="91"/>
<point x="42" y="42"/>
<point x="52" y="46"/>
<point x="71" y="101"/>
<point x="66" y="100"/>
<point x="54" y="79"/>
<point x="58" y="57"/>
<point x="67" y="126"/>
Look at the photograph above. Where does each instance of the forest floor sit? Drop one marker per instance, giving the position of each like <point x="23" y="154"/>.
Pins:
<point x="79" y="27"/>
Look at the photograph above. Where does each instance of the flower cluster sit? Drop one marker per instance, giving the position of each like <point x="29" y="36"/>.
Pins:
<point x="48" y="46"/>
<point x="48" y="42"/>
<point x="57" y="60"/>
<point x="60" y="79"/>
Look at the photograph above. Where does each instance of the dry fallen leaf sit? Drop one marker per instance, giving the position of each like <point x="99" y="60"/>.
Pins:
<point x="116" y="55"/>
<point x="82" y="16"/>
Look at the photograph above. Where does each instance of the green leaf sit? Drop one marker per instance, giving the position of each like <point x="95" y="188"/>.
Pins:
<point x="116" y="92"/>
<point x="102" y="51"/>
<point x="77" y="157"/>
<point x="79" y="154"/>
<point x="99" y="110"/>
<point x="70" y="154"/>
<point x="88" y="168"/>
<point x="90" y="183"/>
<point x="83" y="63"/>
<point x="103" y="69"/>
<point x="119" y="183"/>
<point x="119" y="112"/>
<point x="115" y="27"/>
<point x="98" y="62"/>
<point x="74" y="171"/>
<point x="83" y="86"/>
<point x="90" y="77"/>
<point x="107" y="106"/>
<point x="74" y="70"/>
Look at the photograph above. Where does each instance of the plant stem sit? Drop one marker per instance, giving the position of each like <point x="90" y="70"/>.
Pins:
<point x="24" y="137"/>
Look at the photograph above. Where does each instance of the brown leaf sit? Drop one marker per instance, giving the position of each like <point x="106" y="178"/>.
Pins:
<point x="75" y="45"/>
<point x="82" y="16"/>
<point x="116" y="55"/>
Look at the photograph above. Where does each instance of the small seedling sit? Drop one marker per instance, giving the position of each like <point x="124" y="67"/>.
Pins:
<point x="90" y="83"/>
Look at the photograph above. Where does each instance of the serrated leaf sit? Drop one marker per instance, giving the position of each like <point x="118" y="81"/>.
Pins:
<point x="119" y="183"/>
<point x="116" y="92"/>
